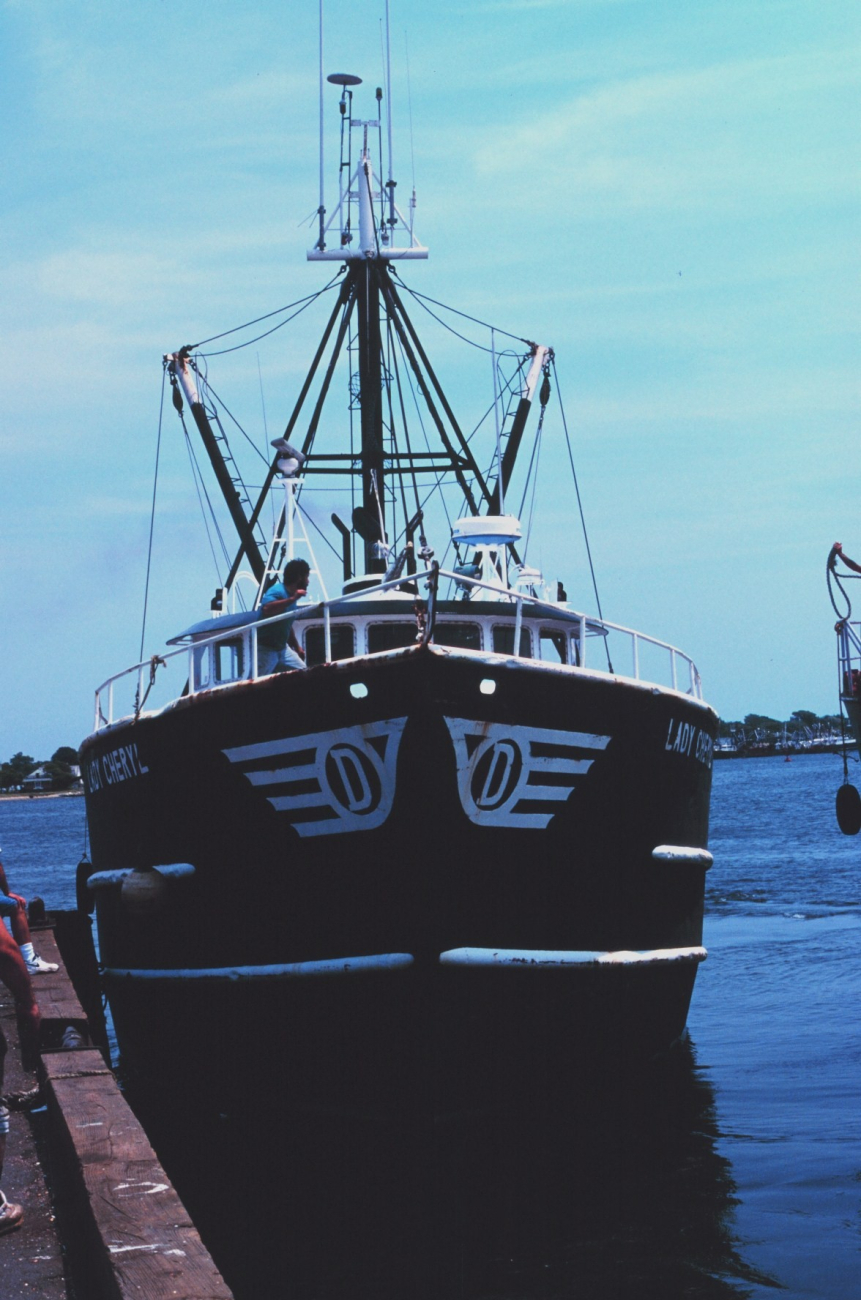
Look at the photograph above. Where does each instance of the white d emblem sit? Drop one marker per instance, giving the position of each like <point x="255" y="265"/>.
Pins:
<point x="331" y="781"/>
<point x="517" y="776"/>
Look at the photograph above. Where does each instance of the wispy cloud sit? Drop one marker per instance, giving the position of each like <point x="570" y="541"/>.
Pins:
<point x="701" y="138"/>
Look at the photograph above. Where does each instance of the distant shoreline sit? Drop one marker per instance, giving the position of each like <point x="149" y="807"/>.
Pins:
<point x="779" y="752"/>
<point x="45" y="794"/>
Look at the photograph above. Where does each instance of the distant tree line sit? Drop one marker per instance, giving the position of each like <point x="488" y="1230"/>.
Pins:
<point x="801" y="725"/>
<point x="58" y="767"/>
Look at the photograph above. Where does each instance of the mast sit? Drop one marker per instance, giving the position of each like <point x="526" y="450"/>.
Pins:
<point x="371" y="407"/>
<point x="365" y="234"/>
<point x="366" y="257"/>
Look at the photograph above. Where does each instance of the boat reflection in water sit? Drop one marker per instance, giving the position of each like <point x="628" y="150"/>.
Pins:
<point x="619" y="1192"/>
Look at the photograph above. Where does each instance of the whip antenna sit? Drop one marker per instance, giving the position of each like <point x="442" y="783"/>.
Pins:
<point x="321" y="211"/>
<point x="390" y="183"/>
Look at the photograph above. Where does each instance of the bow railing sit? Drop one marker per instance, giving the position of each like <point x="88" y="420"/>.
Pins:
<point x="224" y="658"/>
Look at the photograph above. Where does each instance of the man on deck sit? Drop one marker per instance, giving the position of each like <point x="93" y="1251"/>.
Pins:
<point x="277" y="647"/>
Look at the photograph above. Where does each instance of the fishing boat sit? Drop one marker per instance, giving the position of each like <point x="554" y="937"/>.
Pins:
<point x="463" y="848"/>
<point x="848" y="803"/>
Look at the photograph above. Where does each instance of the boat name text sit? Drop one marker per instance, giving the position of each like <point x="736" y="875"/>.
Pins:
<point x="692" y="742"/>
<point x="120" y="764"/>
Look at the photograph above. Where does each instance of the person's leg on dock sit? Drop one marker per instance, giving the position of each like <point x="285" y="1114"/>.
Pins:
<point x="21" y="927"/>
<point x="14" y="974"/>
<point x="10" y="1215"/>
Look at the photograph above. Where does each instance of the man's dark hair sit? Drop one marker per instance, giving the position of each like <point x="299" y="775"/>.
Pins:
<point x="296" y="571"/>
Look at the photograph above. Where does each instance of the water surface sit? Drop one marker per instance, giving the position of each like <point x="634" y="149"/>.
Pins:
<point x="731" y="1169"/>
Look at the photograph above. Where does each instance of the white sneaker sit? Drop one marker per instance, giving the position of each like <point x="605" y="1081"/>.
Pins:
<point x="39" y="967"/>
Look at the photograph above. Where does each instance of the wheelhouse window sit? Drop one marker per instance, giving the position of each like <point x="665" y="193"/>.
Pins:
<point x="461" y="636"/>
<point x="503" y="640"/>
<point x="553" y="646"/>
<point x="229" y="660"/>
<point x="202" y="668"/>
<point x="343" y="637"/>
<point x="390" y="636"/>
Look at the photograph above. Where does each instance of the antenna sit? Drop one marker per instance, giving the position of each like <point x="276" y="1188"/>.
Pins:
<point x="393" y="232"/>
<point x="390" y="183"/>
<point x="412" y="148"/>
<point x="321" y="211"/>
<point x="496" y="418"/>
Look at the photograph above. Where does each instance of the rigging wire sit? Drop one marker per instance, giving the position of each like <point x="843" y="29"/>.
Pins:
<point x="438" y="481"/>
<point x="533" y="460"/>
<point x="451" y="329"/>
<point x="404" y="422"/>
<point x="200" y="485"/>
<point x="306" y="302"/>
<point x="580" y="505"/>
<point x="306" y="515"/>
<point x="390" y="369"/>
<point x="268" y="316"/>
<point x="208" y="386"/>
<point x="263" y="405"/>
<point x="422" y="298"/>
<point x="152" y="513"/>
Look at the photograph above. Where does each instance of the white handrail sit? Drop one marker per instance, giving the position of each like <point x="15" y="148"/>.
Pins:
<point x="580" y="621"/>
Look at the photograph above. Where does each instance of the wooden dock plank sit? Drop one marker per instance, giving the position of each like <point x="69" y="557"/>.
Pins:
<point x="70" y="1065"/>
<point x="151" y="1248"/>
<point x="55" y="993"/>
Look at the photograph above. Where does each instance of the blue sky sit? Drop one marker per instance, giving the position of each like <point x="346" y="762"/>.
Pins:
<point x="667" y="194"/>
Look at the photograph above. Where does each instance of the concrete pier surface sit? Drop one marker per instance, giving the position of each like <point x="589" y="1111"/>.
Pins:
<point x="102" y="1219"/>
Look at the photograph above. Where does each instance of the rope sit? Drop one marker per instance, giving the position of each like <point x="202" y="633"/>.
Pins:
<point x="831" y="572"/>
<point x="155" y="663"/>
<point x="152" y="514"/>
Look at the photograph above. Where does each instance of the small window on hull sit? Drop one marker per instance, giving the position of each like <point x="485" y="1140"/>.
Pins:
<point x="461" y="636"/>
<point x="503" y="641"/>
<point x="390" y="636"/>
<point x="343" y="643"/>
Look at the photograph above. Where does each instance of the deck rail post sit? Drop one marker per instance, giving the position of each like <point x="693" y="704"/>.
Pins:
<point x="518" y="625"/>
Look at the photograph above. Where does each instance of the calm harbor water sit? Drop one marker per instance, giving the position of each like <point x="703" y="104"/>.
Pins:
<point x="732" y="1169"/>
